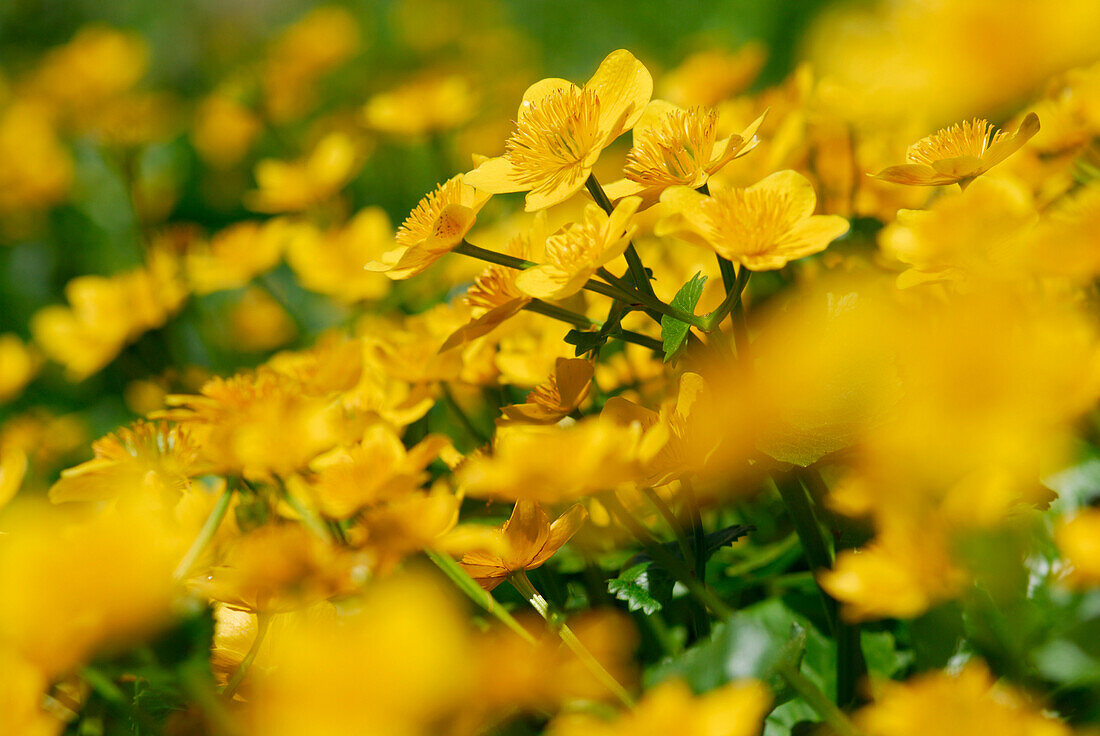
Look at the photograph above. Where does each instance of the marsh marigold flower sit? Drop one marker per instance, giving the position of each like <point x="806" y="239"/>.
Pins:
<point x="530" y="539"/>
<point x="438" y="223"/>
<point x="297" y="185"/>
<point x="334" y="262"/>
<point x="674" y="146"/>
<point x="959" y="154"/>
<point x="578" y="250"/>
<point x="562" y="128"/>
<point x="423" y="106"/>
<point x="18" y="365"/>
<point x="967" y="702"/>
<point x="762" y="227"/>
<point x="556" y="397"/>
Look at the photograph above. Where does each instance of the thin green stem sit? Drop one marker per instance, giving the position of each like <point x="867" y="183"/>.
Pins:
<point x="579" y="320"/>
<point x="670" y="562"/>
<point x="476" y="593"/>
<point x="740" y="321"/>
<point x="699" y="547"/>
<point x="107" y="689"/>
<point x="816" y="699"/>
<point x="811" y="534"/>
<point x="732" y="302"/>
<point x="263" y="621"/>
<point x="479" y="437"/>
<point x="729" y="272"/>
<point x="310" y="519"/>
<point x="633" y="260"/>
<point x="633" y="296"/>
<point x="523" y="584"/>
<point x="666" y="512"/>
<point x="206" y="534"/>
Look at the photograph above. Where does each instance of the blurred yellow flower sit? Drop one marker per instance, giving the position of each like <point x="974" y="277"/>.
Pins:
<point x="955" y="704"/>
<point x="237" y="254"/>
<point x="762" y="227"/>
<point x="578" y="250"/>
<point x="735" y="709"/>
<point x="334" y="262"/>
<point x="432" y="104"/>
<point x="258" y="322"/>
<point x="530" y="539"/>
<point x="1078" y="540"/>
<point x="561" y="129"/>
<point x="13" y="468"/>
<point x="223" y="130"/>
<point x="959" y="154"/>
<point x="37" y="170"/>
<point x="297" y="185"/>
<point x="438" y="223"/>
<point x="712" y="76"/>
<point x="18" y="365"/>
<point x="98" y="63"/>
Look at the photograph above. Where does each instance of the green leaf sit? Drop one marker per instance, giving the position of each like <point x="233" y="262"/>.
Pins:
<point x="585" y="341"/>
<point x="643" y="587"/>
<point x="674" y="332"/>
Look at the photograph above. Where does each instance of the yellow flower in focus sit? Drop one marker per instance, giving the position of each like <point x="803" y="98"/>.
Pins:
<point x="237" y="254"/>
<point x="579" y="249"/>
<point x="735" y="709"/>
<point x="561" y="129"/>
<point x="762" y="227"/>
<point x="399" y="665"/>
<point x="438" y="223"/>
<point x="70" y="588"/>
<point x="1078" y="541"/>
<point x="37" y="170"/>
<point x="959" y="154"/>
<point x="18" y="365"/>
<point x="147" y="459"/>
<point x="674" y="146"/>
<point x="530" y="539"/>
<point x="334" y="262"/>
<point x="433" y="104"/>
<point x="527" y="462"/>
<point x="970" y="701"/>
<point x="560" y="395"/>
<point x="258" y="322"/>
<point x="223" y="130"/>
<point x="297" y="185"/>
<point x="976" y="233"/>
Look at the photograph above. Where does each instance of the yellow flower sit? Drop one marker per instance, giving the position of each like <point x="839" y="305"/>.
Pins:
<point x="297" y="185"/>
<point x="561" y="394"/>
<point x="438" y="223"/>
<point x="762" y="227"/>
<point x="530" y="540"/>
<point x="428" y="105"/>
<point x="19" y="364"/>
<point x="153" y="460"/>
<point x="98" y="63"/>
<point x="674" y="146"/>
<point x="38" y="170"/>
<point x="579" y="249"/>
<point x="13" y="468"/>
<point x="257" y="322"/>
<point x="527" y="462"/>
<point x="714" y="75"/>
<point x="1078" y="540"/>
<point x="223" y="130"/>
<point x="735" y="709"/>
<point x="958" y="154"/>
<point x="967" y="702"/>
<point x="979" y="232"/>
<point x="562" y="128"/>
<point x="334" y="262"/>
<point x="237" y="254"/>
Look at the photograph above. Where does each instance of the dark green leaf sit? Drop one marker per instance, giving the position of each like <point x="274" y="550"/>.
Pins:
<point x="585" y="341"/>
<point x="674" y="332"/>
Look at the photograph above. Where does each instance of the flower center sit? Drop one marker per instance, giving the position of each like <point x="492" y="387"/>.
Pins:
<point x="421" y="221"/>
<point x="554" y="135"/>
<point x="968" y="138"/>
<point x="751" y="221"/>
<point x="579" y="244"/>
<point x="674" y="152"/>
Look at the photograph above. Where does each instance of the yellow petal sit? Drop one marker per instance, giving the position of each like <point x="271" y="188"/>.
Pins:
<point x="495" y="176"/>
<point x="652" y="116"/>
<point x="616" y="190"/>
<point x="539" y="91"/>
<point x="542" y="282"/>
<point x="1005" y="147"/>
<point x="450" y="228"/>
<point x="619" y="219"/>
<point x="958" y="167"/>
<point x="484" y="324"/>
<point x="624" y="413"/>
<point x="920" y="175"/>
<point x="561" y="531"/>
<point x="573" y="376"/>
<point x="812" y="235"/>
<point x="557" y="189"/>
<point x="623" y="86"/>
<point x="526" y="531"/>
<point x="796" y="188"/>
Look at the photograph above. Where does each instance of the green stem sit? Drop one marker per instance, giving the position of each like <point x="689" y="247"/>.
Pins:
<point x="479" y="437"/>
<point x="523" y="584"/>
<point x="732" y="302"/>
<point x="814" y="546"/>
<point x="206" y="534"/>
<point x="633" y="260"/>
<point x="729" y="273"/>
<point x="812" y="695"/>
<point x="476" y="593"/>
<point x="579" y="320"/>
<point x="666" y="512"/>
<point x="740" y="321"/>
<point x="699" y="545"/>
<point x="310" y="519"/>
<point x="670" y="562"/>
<point x="263" y="621"/>
<point x="633" y="296"/>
